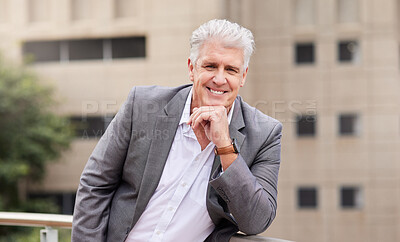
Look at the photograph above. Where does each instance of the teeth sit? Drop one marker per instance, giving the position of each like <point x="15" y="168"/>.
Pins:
<point x="216" y="92"/>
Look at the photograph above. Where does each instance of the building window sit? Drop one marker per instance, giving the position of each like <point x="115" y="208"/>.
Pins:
<point x="304" y="12"/>
<point x="127" y="47"/>
<point x="85" y="49"/>
<point x="42" y="51"/>
<point x="304" y="53"/>
<point x="81" y="9"/>
<point x="350" y="197"/>
<point x="348" y="124"/>
<point x="64" y="201"/>
<point x="348" y="51"/>
<point x="38" y="10"/>
<point x="306" y="125"/>
<point x="124" y="8"/>
<point x="307" y="197"/>
<point x="347" y="11"/>
<point x="90" y="127"/>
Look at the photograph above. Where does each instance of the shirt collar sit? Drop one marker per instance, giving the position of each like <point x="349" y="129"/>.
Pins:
<point x="186" y="110"/>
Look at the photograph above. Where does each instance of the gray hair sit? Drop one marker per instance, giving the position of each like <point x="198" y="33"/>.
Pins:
<point x="231" y="34"/>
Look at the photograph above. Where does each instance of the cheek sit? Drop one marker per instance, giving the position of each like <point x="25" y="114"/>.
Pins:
<point x="203" y="78"/>
<point x="236" y="83"/>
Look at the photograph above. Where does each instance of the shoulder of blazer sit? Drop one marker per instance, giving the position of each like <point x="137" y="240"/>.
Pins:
<point x="153" y="99"/>
<point x="256" y="120"/>
<point x="157" y="93"/>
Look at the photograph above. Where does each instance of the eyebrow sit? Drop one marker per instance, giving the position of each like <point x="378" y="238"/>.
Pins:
<point x="226" y="67"/>
<point x="209" y="63"/>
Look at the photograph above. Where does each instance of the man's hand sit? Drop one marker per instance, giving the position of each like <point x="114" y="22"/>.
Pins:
<point x="214" y="121"/>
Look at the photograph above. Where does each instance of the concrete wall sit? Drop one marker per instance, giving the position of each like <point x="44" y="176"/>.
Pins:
<point x="369" y="87"/>
<point x="100" y="87"/>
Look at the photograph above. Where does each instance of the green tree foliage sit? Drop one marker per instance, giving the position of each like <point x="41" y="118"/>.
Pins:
<point x="31" y="135"/>
<point x="33" y="235"/>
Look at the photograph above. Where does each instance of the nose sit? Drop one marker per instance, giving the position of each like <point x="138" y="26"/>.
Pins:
<point x="219" y="78"/>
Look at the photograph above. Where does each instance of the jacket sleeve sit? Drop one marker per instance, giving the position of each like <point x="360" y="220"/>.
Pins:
<point x="251" y="193"/>
<point x="101" y="177"/>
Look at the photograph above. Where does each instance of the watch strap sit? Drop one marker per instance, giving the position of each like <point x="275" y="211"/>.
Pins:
<point x="227" y="149"/>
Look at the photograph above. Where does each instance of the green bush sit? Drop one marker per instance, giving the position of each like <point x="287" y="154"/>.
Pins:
<point x="31" y="136"/>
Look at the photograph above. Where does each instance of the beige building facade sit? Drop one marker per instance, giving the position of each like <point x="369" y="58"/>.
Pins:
<point x="328" y="70"/>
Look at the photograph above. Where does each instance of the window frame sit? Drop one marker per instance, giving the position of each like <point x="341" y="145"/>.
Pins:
<point x="355" y="54"/>
<point x="356" y="124"/>
<point x="297" y="57"/>
<point x="65" y="51"/>
<point x="300" y="203"/>
<point x="358" y="197"/>
<point x="90" y="127"/>
<point x="302" y="119"/>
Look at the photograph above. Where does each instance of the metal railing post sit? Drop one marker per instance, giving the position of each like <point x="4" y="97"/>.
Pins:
<point x="48" y="235"/>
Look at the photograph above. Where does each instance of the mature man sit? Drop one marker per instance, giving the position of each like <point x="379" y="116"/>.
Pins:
<point x="190" y="163"/>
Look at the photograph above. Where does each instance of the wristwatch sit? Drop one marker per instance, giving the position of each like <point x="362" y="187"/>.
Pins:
<point x="232" y="148"/>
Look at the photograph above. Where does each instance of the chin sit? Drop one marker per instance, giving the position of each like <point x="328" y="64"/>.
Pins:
<point x="215" y="104"/>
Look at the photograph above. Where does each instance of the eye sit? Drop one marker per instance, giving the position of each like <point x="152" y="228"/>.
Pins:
<point x="209" y="67"/>
<point x="232" y="70"/>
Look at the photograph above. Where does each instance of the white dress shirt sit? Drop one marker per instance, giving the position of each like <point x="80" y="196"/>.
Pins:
<point x="177" y="210"/>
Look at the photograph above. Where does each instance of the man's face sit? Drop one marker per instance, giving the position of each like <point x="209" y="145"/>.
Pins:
<point x="217" y="75"/>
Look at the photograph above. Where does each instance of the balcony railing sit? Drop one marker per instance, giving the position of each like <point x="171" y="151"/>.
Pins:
<point x="49" y="221"/>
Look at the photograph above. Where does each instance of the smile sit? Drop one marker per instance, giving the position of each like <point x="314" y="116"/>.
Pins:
<point x="215" y="91"/>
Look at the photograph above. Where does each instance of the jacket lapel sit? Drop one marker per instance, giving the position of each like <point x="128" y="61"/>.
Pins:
<point x="237" y="123"/>
<point x="164" y="132"/>
<point x="216" y="207"/>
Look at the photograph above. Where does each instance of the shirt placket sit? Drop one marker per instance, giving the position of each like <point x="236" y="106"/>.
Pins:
<point x="181" y="191"/>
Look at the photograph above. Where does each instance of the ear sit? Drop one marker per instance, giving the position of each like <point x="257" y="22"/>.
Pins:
<point x="190" y="68"/>
<point x="244" y="77"/>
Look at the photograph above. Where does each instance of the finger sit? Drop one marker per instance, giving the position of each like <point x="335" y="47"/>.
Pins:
<point x="201" y="117"/>
<point x="211" y="110"/>
<point x="191" y="116"/>
<point x="196" y="112"/>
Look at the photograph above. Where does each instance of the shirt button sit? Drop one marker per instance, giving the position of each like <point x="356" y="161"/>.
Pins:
<point x="158" y="232"/>
<point x="170" y="208"/>
<point x="184" y="184"/>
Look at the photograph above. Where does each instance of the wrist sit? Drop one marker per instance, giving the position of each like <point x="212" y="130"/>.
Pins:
<point x="231" y="148"/>
<point x="223" y="142"/>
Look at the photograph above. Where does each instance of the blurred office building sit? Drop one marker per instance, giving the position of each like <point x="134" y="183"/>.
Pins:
<point x="328" y="70"/>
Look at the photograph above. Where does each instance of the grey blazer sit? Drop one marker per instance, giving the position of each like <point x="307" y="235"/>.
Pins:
<point x="125" y="167"/>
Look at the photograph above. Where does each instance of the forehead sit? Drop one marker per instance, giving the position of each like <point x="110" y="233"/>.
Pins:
<point x="217" y="52"/>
